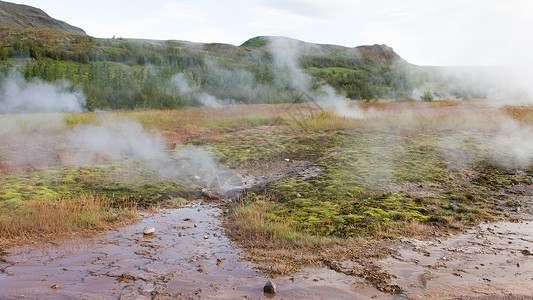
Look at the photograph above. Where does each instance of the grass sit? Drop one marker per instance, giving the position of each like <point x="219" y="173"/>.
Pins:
<point x="372" y="170"/>
<point x="54" y="184"/>
<point x="405" y="167"/>
<point x="255" y="42"/>
<point x="46" y="217"/>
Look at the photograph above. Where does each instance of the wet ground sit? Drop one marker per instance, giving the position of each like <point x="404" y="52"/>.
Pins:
<point x="188" y="257"/>
<point x="482" y="261"/>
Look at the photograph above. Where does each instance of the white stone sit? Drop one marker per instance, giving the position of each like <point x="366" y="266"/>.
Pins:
<point x="149" y="230"/>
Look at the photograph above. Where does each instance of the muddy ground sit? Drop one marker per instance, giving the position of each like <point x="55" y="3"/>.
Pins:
<point x="189" y="256"/>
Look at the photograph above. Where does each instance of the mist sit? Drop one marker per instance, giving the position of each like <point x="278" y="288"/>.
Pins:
<point x="286" y="53"/>
<point x="115" y="139"/>
<point x="179" y="85"/>
<point x="36" y="95"/>
<point x="44" y="141"/>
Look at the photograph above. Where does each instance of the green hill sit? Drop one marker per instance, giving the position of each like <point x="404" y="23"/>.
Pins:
<point x="24" y="16"/>
<point x="382" y="52"/>
<point x="121" y="73"/>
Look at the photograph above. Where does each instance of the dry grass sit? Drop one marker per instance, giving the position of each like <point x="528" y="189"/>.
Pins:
<point x="250" y="221"/>
<point x="41" y="218"/>
<point x="279" y="250"/>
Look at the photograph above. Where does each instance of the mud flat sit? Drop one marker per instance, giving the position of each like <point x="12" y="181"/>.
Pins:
<point x="487" y="261"/>
<point x="188" y="256"/>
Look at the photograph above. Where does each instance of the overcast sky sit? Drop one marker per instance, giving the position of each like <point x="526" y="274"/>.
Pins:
<point x="424" y="32"/>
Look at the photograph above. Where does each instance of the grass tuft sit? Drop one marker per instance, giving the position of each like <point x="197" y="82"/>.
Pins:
<point x="40" y="217"/>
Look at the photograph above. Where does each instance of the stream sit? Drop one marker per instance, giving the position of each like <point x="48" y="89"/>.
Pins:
<point x="188" y="256"/>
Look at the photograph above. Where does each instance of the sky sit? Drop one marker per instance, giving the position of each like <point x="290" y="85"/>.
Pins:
<point x="424" y="32"/>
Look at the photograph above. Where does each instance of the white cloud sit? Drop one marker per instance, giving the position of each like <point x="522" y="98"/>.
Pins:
<point x="275" y="20"/>
<point x="181" y="12"/>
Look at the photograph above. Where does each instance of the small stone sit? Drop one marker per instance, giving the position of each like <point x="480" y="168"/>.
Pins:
<point x="517" y="209"/>
<point x="526" y="252"/>
<point x="205" y="237"/>
<point x="55" y="286"/>
<point x="149" y="230"/>
<point x="270" y="287"/>
<point x="226" y="211"/>
<point x="210" y="195"/>
<point x="297" y="195"/>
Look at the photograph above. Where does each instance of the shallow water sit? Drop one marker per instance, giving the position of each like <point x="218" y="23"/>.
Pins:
<point x="188" y="257"/>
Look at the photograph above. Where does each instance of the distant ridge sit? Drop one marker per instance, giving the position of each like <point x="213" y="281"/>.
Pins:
<point x="382" y="52"/>
<point x="24" y="16"/>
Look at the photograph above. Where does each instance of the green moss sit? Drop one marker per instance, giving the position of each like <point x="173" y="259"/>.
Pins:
<point x="119" y="181"/>
<point x="348" y="198"/>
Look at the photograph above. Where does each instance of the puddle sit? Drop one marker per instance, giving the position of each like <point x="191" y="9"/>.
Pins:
<point x="188" y="257"/>
<point x="484" y="260"/>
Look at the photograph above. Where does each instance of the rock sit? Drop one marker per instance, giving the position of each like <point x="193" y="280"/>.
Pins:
<point x="297" y="195"/>
<point x="526" y="252"/>
<point x="517" y="203"/>
<point x="226" y="211"/>
<point x="55" y="286"/>
<point x="517" y="209"/>
<point x="205" y="237"/>
<point x="149" y="230"/>
<point x="210" y="195"/>
<point x="270" y="287"/>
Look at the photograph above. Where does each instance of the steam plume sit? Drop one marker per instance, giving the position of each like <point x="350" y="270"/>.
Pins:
<point x="19" y="96"/>
<point x="287" y="71"/>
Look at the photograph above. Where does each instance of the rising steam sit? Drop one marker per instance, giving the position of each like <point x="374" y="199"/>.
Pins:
<point x="286" y="53"/>
<point x="19" y="96"/>
<point x="42" y="140"/>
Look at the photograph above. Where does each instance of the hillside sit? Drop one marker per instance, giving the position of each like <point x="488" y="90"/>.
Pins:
<point x="121" y="73"/>
<point x="24" y="16"/>
<point x="382" y="52"/>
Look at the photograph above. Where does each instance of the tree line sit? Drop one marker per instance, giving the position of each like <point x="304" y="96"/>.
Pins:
<point x="123" y="74"/>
